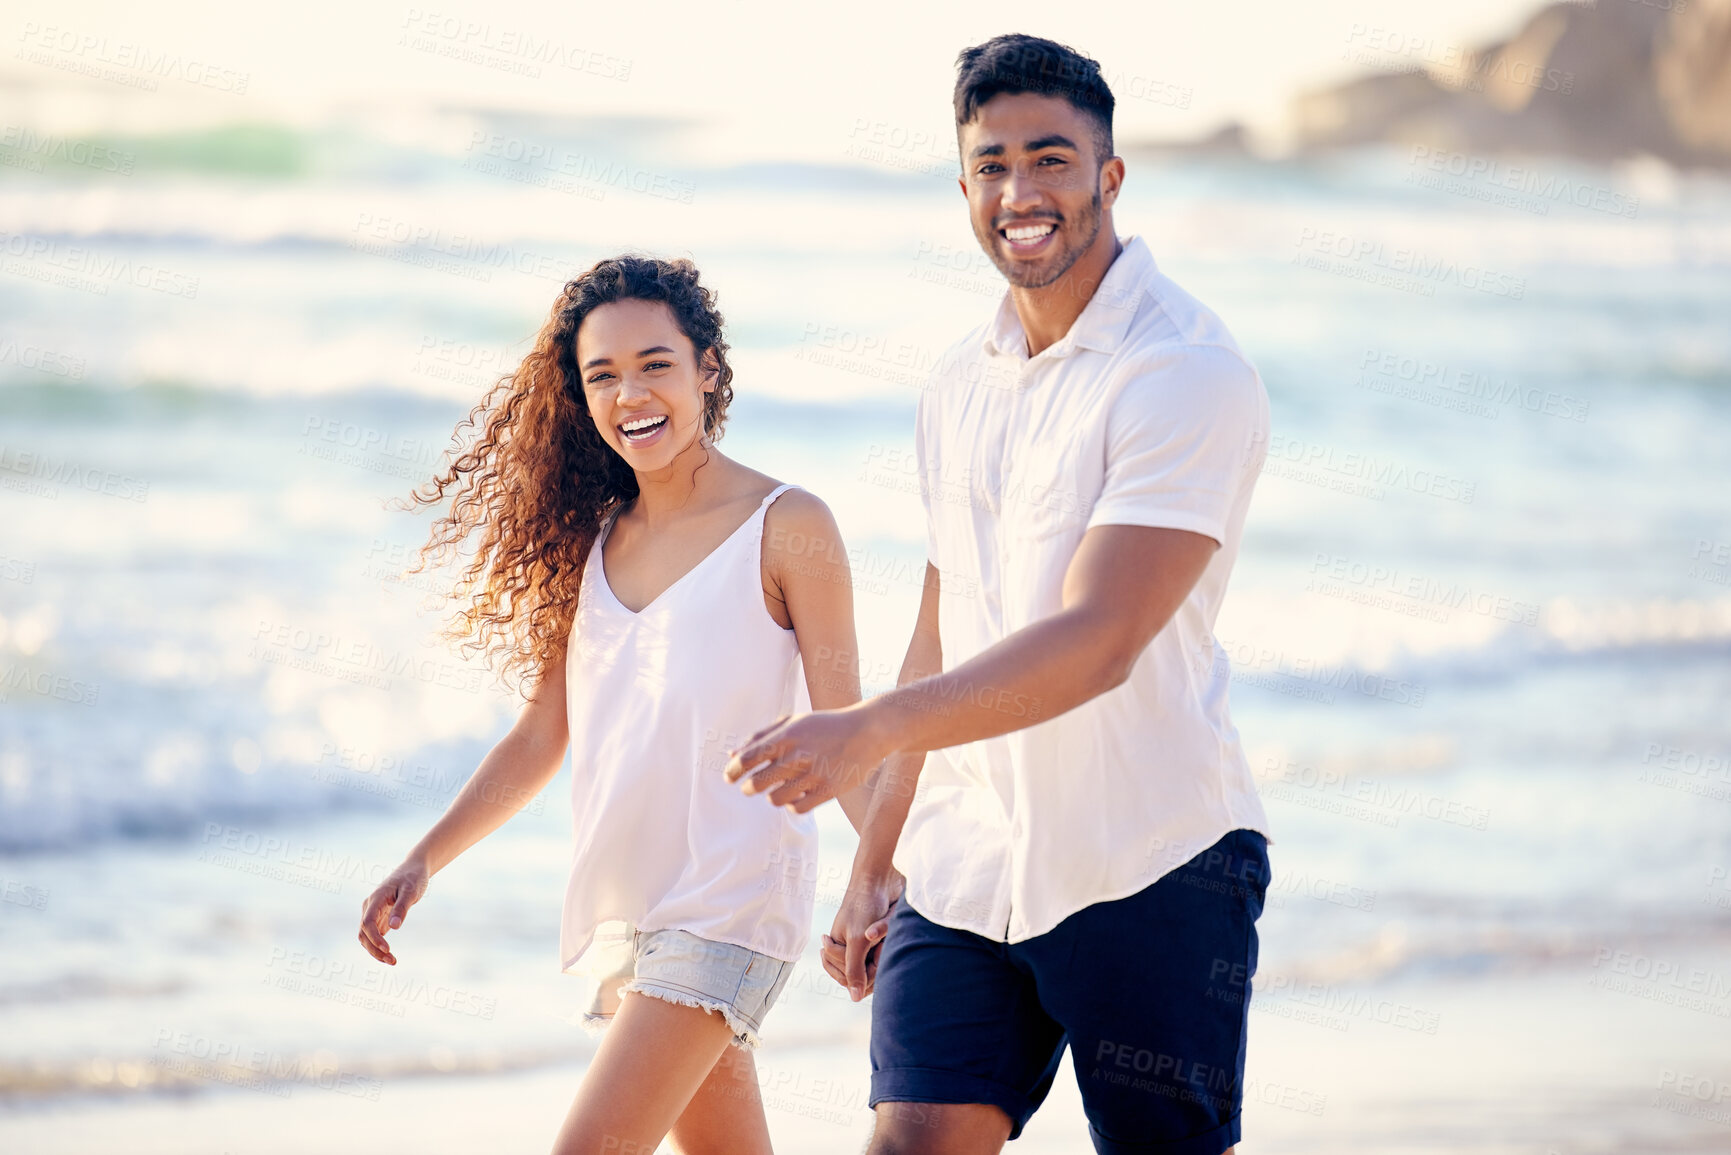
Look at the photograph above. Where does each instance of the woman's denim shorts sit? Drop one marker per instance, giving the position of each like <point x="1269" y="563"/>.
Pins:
<point x="735" y="981"/>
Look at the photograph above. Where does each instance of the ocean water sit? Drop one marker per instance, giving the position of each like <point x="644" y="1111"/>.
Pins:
<point x="1478" y="635"/>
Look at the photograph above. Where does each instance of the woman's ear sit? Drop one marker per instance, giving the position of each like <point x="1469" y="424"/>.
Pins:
<point x="711" y="370"/>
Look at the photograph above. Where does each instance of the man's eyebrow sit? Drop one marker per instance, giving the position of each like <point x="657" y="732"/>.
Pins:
<point x="590" y="364"/>
<point x="1054" y="140"/>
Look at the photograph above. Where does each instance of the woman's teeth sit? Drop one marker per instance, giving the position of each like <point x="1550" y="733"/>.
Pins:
<point x="642" y="427"/>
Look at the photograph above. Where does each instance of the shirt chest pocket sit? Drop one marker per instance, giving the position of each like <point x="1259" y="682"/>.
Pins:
<point x="1046" y="491"/>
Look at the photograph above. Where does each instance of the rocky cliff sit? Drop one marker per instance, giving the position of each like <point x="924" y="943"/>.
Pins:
<point x="1600" y="81"/>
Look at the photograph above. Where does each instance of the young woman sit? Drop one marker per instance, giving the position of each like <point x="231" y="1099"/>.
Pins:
<point x="660" y="603"/>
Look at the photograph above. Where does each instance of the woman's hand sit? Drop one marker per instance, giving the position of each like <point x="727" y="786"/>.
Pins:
<point x="850" y="949"/>
<point x="389" y="905"/>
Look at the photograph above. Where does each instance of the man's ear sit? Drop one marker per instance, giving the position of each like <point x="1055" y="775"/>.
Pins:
<point x="1111" y="180"/>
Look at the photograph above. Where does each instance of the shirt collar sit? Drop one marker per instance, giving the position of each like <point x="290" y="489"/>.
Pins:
<point x="1102" y="323"/>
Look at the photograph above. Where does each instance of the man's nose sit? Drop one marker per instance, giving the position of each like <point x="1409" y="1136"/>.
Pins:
<point x="1022" y="192"/>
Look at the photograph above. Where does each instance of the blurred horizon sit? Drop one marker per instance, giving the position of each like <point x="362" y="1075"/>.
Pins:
<point x="1188" y="72"/>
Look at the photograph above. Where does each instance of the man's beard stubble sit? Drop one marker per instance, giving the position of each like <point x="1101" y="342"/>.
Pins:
<point x="1024" y="277"/>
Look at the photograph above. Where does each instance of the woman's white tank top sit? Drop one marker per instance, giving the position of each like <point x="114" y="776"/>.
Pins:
<point x="656" y="700"/>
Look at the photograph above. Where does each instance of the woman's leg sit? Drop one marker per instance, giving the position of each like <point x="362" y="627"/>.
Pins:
<point x="725" y="1117"/>
<point x="653" y="1059"/>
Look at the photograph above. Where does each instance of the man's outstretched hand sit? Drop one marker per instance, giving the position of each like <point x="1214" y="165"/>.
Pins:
<point x="804" y="761"/>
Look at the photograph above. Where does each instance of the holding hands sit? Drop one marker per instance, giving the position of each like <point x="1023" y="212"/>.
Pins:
<point x="801" y="762"/>
<point x="851" y="948"/>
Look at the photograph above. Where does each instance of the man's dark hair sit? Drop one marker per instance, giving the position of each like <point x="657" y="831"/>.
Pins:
<point x="1015" y="63"/>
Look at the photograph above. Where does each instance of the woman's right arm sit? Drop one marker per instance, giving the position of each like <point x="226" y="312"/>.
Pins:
<point x="512" y="773"/>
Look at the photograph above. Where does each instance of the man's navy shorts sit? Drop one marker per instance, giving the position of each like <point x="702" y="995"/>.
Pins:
<point x="1149" y="992"/>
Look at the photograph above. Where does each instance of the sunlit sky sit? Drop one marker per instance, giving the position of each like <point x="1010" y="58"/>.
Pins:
<point x="767" y="79"/>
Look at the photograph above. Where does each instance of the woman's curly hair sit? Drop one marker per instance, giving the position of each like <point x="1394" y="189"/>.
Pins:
<point x="533" y="478"/>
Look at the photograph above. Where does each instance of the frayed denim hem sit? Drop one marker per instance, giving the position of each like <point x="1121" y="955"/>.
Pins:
<point x="744" y="1034"/>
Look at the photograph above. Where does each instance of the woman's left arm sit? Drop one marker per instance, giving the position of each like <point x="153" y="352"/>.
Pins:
<point x="808" y="578"/>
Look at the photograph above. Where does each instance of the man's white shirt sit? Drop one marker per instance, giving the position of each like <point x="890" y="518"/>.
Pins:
<point x="1144" y="413"/>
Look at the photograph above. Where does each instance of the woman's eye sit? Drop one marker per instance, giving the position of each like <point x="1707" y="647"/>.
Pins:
<point x="599" y="378"/>
<point x="659" y="365"/>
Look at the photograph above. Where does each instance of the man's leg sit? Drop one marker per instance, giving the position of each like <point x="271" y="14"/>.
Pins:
<point x="1152" y="990"/>
<point x="962" y="1052"/>
<point x="934" y="1128"/>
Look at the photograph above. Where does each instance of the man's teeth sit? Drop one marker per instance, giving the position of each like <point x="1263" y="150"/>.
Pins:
<point x="1028" y="232"/>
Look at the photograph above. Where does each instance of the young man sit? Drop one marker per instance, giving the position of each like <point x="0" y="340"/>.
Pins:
<point x="1085" y="854"/>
